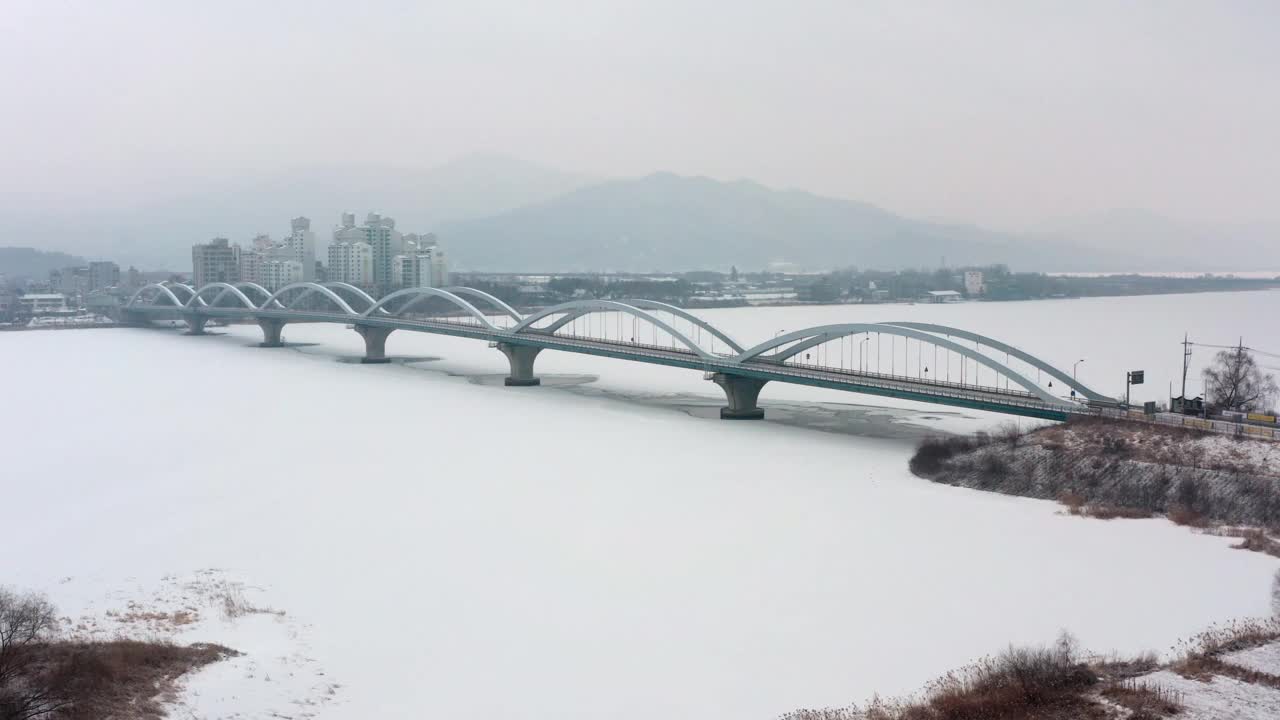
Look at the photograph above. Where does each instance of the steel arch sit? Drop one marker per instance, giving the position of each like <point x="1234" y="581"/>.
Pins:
<point x="423" y="293"/>
<point x="255" y="287"/>
<point x="177" y="304"/>
<point x="190" y="291"/>
<point x="1003" y="347"/>
<point x="681" y="312"/>
<point x="831" y="332"/>
<point x="351" y="289"/>
<point x="311" y="287"/>
<point x="225" y="288"/>
<point x="578" y="308"/>
<point x="505" y="308"/>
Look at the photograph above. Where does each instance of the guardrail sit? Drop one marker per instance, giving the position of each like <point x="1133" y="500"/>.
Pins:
<point x="1222" y="427"/>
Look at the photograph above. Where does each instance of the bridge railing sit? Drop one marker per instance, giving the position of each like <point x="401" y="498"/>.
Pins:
<point x="908" y="378"/>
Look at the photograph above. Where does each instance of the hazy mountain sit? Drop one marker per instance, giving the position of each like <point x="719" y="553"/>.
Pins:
<point x="1171" y="244"/>
<point x="161" y="234"/>
<point x="670" y="222"/>
<point x="18" y="262"/>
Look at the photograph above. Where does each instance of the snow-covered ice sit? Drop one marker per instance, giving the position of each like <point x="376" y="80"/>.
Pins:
<point x="448" y="546"/>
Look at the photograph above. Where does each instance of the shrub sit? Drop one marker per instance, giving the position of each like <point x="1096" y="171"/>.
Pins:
<point x="934" y="452"/>
<point x="42" y="678"/>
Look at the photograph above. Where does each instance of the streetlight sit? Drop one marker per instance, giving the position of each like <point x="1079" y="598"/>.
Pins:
<point x="864" y="341"/>
<point x="1074" y="366"/>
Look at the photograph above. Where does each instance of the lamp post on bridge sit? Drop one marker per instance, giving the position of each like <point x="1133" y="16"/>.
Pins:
<point x="864" y="342"/>
<point x="1074" y="366"/>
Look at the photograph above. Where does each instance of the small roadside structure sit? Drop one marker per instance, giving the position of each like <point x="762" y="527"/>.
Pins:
<point x="943" y="296"/>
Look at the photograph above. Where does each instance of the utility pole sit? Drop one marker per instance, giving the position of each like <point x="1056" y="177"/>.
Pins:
<point x="1186" y="362"/>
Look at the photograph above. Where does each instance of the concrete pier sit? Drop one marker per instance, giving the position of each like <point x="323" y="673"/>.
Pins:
<point x="521" y="359"/>
<point x="742" y="393"/>
<point x="195" y="324"/>
<point x="375" y="343"/>
<point x="271" y="328"/>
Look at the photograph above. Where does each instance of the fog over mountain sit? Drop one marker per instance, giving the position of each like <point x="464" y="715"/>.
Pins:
<point x="160" y="234"/>
<point x="669" y="222"/>
<point x="142" y="127"/>
<point x="499" y="213"/>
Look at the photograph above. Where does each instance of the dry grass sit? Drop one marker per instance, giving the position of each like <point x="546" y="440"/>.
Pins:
<point x="123" y="679"/>
<point x="235" y="605"/>
<point x="1144" y="701"/>
<point x="1051" y="683"/>
<point x="1200" y="657"/>
<point x="1258" y="541"/>
<point x="1182" y="515"/>
<point x="1079" y="506"/>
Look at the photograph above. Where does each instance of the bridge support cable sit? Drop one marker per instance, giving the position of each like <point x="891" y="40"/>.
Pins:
<point x="741" y="393"/>
<point x="271" y="328"/>
<point x="521" y="359"/>
<point x="375" y="343"/>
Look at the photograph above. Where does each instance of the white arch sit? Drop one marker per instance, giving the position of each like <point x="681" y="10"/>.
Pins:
<point x="351" y="289"/>
<point x="681" y="312"/>
<point x="1002" y="347"/>
<point x="505" y="308"/>
<point x="256" y="288"/>
<point x="224" y="288"/>
<point x="190" y="291"/>
<point x="177" y="304"/>
<point x="310" y="288"/>
<point x="831" y="332"/>
<point x="578" y="308"/>
<point x="423" y="293"/>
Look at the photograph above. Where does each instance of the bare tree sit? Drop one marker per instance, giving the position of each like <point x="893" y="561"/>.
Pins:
<point x="1235" y="382"/>
<point x="27" y="622"/>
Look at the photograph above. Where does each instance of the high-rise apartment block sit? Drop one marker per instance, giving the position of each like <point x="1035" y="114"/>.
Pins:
<point x="215" y="261"/>
<point x="423" y="268"/>
<point x="387" y="242"/>
<point x="301" y="246"/>
<point x="103" y="274"/>
<point x="350" y="262"/>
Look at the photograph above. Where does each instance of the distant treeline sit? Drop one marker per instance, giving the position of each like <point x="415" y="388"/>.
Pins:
<point x="710" y="289"/>
<point x="1001" y="283"/>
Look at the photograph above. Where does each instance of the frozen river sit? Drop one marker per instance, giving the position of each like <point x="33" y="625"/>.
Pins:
<point x="599" y="547"/>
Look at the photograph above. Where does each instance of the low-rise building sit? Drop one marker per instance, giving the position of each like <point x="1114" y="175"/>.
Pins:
<point x="34" y="304"/>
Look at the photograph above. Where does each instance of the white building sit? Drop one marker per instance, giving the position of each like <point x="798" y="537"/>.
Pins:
<point x="103" y="274"/>
<point x="301" y="246"/>
<point x="42" y="303"/>
<point x="387" y="242"/>
<point x="424" y="268"/>
<point x="973" y="285"/>
<point x="278" y="273"/>
<point x="215" y="261"/>
<point x="351" y="262"/>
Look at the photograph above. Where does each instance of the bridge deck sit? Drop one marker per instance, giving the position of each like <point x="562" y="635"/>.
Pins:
<point x="1007" y="401"/>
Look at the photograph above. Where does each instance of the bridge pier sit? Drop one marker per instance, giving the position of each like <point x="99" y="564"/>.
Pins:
<point x="521" y="359"/>
<point x="742" y="393"/>
<point x="195" y="324"/>
<point x="375" y="343"/>
<point x="271" y="328"/>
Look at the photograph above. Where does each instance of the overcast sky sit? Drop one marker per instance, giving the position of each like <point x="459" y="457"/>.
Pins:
<point x="1004" y="113"/>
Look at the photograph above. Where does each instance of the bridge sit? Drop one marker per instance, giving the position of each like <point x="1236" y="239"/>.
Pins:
<point x="925" y="362"/>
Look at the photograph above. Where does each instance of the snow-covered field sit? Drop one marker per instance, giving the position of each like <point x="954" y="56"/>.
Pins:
<point x="441" y="545"/>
